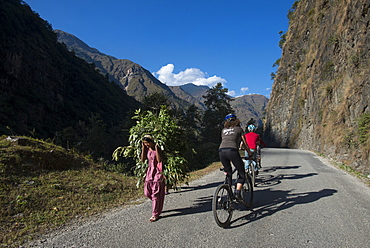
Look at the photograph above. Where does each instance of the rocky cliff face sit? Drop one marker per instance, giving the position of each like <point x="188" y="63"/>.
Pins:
<point x="321" y="94"/>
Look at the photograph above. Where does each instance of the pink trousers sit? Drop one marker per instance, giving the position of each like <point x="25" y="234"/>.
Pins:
<point x="155" y="192"/>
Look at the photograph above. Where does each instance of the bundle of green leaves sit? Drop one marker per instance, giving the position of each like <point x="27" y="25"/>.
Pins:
<point x="168" y="135"/>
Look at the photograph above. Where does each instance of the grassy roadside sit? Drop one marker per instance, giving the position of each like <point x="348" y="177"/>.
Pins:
<point x="348" y="169"/>
<point x="43" y="186"/>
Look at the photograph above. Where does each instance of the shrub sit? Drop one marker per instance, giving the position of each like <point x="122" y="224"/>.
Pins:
<point x="364" y="127"/>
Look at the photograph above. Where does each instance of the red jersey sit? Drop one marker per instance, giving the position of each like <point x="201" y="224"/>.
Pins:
<point x="252" y="139"/>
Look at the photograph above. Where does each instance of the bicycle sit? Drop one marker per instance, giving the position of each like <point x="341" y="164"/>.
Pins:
<point x="252" y="164"/>
<point x="224" y="200"/>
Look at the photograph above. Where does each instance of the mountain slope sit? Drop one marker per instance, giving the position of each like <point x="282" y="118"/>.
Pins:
<point x="45" y="88"/>
<point x="321" y="94"/>
<point x="191" y="93"/>
<point x="250" y="106"/>
<point x="137" y="81"/>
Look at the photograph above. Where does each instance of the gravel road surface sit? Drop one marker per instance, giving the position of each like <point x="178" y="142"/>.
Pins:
<point x="300" y="201"/>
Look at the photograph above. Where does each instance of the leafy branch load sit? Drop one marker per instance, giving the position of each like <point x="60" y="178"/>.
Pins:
<point x="168" y="135"/>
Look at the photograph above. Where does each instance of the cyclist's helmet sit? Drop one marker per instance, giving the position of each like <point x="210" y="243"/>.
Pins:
<point x="230" y="117"/>
<point x="251" y="128"/>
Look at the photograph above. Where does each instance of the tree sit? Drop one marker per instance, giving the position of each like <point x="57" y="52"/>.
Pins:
<point x="154" y="101"/>
<point x="191" y="123"/>
<point x="217" y="103"/>
<point x="167" y="134"/>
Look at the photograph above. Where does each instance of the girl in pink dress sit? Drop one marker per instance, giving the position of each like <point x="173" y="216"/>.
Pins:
<point x="154" y="186"/>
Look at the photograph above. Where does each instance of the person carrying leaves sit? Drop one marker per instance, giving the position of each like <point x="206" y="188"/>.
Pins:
<point x="154" y="186"/>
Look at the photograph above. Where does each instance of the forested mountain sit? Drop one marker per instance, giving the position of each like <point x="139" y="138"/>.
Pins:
<point x="321" y="94"/>
<point x="44" y="88"/>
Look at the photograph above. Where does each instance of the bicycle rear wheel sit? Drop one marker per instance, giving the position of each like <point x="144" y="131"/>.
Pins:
<point x="251" y="171"/>
<point x="222" y="205"/>
<point x="247" y="192"/>
<point x="258" y="160"/>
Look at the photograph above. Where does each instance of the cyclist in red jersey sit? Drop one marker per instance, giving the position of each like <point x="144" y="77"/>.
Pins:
<point x="254" y="140"/>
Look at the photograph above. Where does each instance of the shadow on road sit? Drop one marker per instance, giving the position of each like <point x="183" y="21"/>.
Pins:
<point x="190" y="188"/>
<point x="272" y="201"/>
<point x="265" y="180"/>
<point x="268" y="201"/>
<point x="202" y="204"/>
<point x="275" y="168"/>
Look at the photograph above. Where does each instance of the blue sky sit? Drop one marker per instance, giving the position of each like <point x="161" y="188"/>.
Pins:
<point x="202" y="42"/>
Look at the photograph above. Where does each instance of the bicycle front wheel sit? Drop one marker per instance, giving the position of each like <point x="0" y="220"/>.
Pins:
<point x="222" y="205"/>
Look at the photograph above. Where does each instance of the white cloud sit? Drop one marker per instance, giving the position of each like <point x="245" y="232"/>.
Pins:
<point x="231" y="93"/>
<point x="190" y="75"/>
<point x="268" y="88"/>
<point x="244" y="89"/>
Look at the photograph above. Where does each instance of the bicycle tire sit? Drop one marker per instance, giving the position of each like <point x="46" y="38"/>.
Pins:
<point x="252" y="172"/>
<point x="222" y="205"/>
<point x="247" y="192"/>
<point x="258" y="160"/>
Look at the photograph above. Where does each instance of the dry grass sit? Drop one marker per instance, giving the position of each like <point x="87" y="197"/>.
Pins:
<point x="38" y="194"/>
<point x="200" y="173"/>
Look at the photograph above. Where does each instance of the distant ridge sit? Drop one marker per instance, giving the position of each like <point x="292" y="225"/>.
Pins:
<point x="139" y="82"/>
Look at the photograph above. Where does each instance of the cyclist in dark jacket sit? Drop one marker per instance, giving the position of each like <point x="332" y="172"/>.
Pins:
<point x="231" y="136"/>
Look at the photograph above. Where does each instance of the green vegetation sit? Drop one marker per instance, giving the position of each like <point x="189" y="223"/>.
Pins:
<point x="217" y="103"/>
<point x="333" y="40"/>
<point x="297" y="66"/>
<point x="350" y="141"/>
<point x="355" y="60"/>
<point x="328" y="69"/>
<point x="311" y="12"/>
<point x="273" y="75"/>
<point x="364" y="128"/>
<point x="282" y="39"/>
<point x="329" y="91"/>
<point x="292" y="10"/>
<point x="167" y="135"/>
<point x="277" y="63"/>
<point x="361" y="138"/>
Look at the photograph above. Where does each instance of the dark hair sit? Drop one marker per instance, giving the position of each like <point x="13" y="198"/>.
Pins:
<point x="148" y="138"/>
<point x="233" y="123"/>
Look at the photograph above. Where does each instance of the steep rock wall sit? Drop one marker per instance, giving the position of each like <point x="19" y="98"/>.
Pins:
<point x="322" y="88"/>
